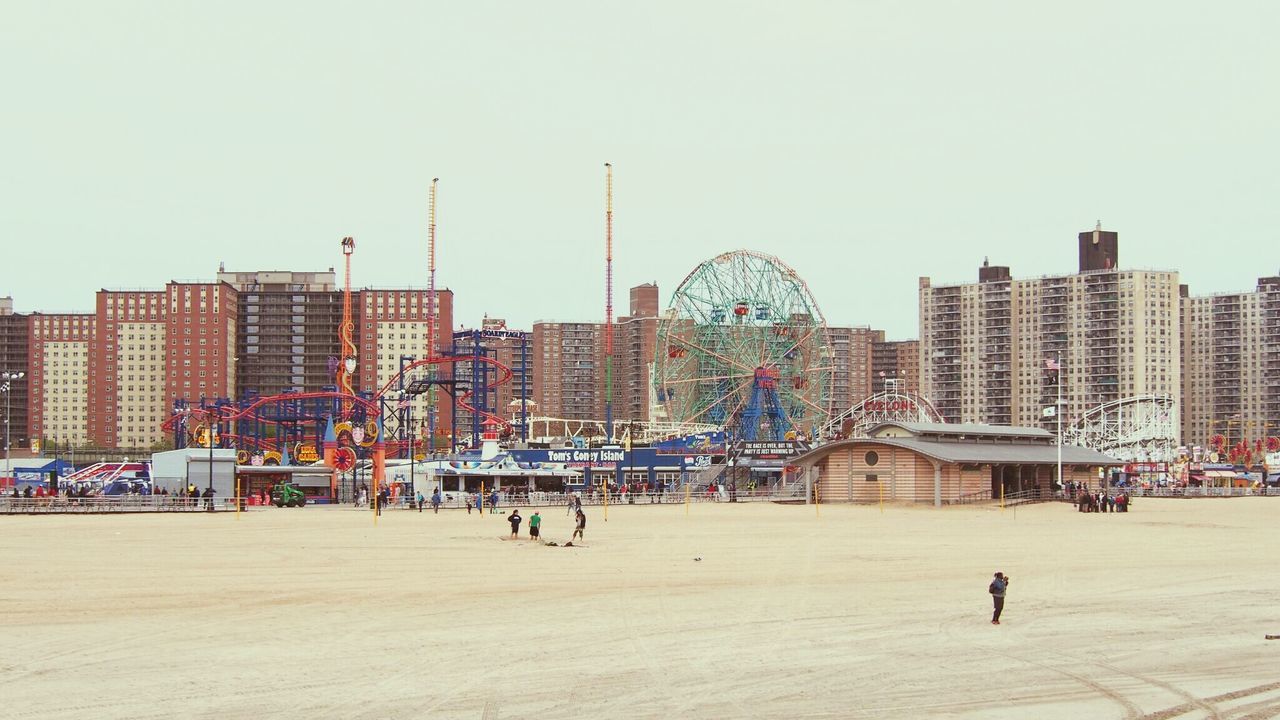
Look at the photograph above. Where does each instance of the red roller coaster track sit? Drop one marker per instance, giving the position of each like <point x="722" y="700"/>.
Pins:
<point x="231" y="413"/>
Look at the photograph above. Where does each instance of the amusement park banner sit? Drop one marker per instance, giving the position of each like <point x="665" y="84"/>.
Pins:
<point x="611" y="458"/>
<point x="771" y="450"/>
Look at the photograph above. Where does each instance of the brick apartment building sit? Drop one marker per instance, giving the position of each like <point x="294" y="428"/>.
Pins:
<point x="568" y="365"/>
<point x="850" y="352"/>
<point x="898" y="359"/>
<point x="59" y="349"/>
<point x="392" y="327"/>
<point x="634" y="343"/>
<point x="14" y="350"/>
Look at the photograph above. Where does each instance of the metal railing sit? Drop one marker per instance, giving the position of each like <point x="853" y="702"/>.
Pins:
<point x="674" y="496"/>
<point x="981" y="496"/>
<point x="111" y="504"/>
<point x="1201" y="492"/>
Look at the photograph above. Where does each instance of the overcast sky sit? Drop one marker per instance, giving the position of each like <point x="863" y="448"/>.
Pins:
<point x="865" y="143"/>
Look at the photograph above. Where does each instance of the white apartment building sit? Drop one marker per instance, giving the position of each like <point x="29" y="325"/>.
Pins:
<point x="984" y="346"/>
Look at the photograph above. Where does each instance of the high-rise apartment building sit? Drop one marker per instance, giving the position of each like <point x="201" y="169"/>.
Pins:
<point x="568" y="370"/>
<point x="59" y="354"/>
<point x="1231" y="365"/>
<point x="984" y="347"/>
<point x="110" y="378"/>
<point x="128" y="359"/>
<point x="201" y="331"/>
<point x="895" y="360"/>
<point x="568" y="365"/>
<point x="288" y="330"/>
<point x="849" y="350"/>
<point x="635" y="340"/>
<point x="14" y="350"/>
<point x="392" y="328"/>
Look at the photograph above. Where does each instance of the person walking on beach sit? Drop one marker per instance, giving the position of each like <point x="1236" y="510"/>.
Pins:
<point x="535" y="526"/>
<point x="419" y="500"/>
<point x="999" y="586"/>
<point x="580" y="524"/>
<point x="514" y="518"/>
<point x="435" y="501"/>
<point x="493" y="502"/>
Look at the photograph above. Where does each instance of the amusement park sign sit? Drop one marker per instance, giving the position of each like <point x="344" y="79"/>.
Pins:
<point x="890" y="405"/>
<point x="771" y="450"/>
<point x="593" y="458"/>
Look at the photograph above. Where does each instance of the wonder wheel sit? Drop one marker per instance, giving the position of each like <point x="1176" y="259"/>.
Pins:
<point x="743" y="346"/>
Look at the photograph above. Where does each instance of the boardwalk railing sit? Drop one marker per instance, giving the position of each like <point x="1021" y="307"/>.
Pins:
<point x="110" y="504"/>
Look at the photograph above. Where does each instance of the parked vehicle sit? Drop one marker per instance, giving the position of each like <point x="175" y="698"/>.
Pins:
<point x="287" y="495"/>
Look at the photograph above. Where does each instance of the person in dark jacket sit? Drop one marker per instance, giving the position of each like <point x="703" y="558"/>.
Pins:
<point x="999" y="586"/>
<point x="514" y="518"/>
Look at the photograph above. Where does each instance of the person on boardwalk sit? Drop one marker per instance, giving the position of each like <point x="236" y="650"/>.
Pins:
<point x="514" y="518"/>
<point x="435" y="501"/>
<point x="999" y="586"/>
<point x="580" y="524"/>
<point x="535" y="526"/>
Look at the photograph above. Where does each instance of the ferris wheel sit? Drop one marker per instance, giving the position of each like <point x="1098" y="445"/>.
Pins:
<point x="743" y="346"/>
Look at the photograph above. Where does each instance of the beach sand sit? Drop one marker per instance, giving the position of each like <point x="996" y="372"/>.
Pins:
<point x="791" y="612"/>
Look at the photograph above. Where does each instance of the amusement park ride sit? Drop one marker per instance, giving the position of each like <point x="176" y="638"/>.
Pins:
<point x="742" y="348"/>
<point x="339" y="426"/>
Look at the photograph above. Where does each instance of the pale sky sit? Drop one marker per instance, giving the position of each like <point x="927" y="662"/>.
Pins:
<point x="865" y="143"/>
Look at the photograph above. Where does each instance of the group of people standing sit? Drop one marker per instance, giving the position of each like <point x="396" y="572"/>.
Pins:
<point x="1087" y="501"/>
<point x="535" y="524"/>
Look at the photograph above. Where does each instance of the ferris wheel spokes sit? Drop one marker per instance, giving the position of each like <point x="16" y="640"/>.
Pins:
<point x="740" y="346"/>
<point x="694" y="346"/>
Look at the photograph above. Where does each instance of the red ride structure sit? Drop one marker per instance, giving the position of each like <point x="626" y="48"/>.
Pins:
<point x="339" y="422"/>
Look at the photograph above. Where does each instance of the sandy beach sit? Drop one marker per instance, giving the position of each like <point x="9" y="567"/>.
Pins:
<point x="730" y="611"/>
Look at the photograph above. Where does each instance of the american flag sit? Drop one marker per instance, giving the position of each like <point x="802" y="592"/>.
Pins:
<point x="1051" y="364"/>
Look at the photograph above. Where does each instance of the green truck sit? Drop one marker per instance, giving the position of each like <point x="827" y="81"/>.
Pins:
<point x="287" y="495"/>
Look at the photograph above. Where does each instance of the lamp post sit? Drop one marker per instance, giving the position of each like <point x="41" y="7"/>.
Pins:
<point x="210" y="438"/>
<point x="9" y="377"/>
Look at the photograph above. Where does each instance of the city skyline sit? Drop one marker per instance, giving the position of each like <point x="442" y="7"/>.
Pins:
<point x="849" y="140"/>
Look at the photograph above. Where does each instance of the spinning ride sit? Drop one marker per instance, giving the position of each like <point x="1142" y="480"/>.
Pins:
<point x="743" y="346"/>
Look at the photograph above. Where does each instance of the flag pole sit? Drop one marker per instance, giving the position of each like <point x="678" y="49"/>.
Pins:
<point x="1058" y="412"/>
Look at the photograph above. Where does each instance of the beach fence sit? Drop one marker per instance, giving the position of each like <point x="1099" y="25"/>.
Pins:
<point x="62" y="504"/>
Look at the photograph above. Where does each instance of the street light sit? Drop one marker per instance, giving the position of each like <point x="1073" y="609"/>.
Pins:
<point x="7" y="387"/>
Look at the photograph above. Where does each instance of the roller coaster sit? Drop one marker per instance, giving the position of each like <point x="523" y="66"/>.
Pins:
<point x="274" y="429"/>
